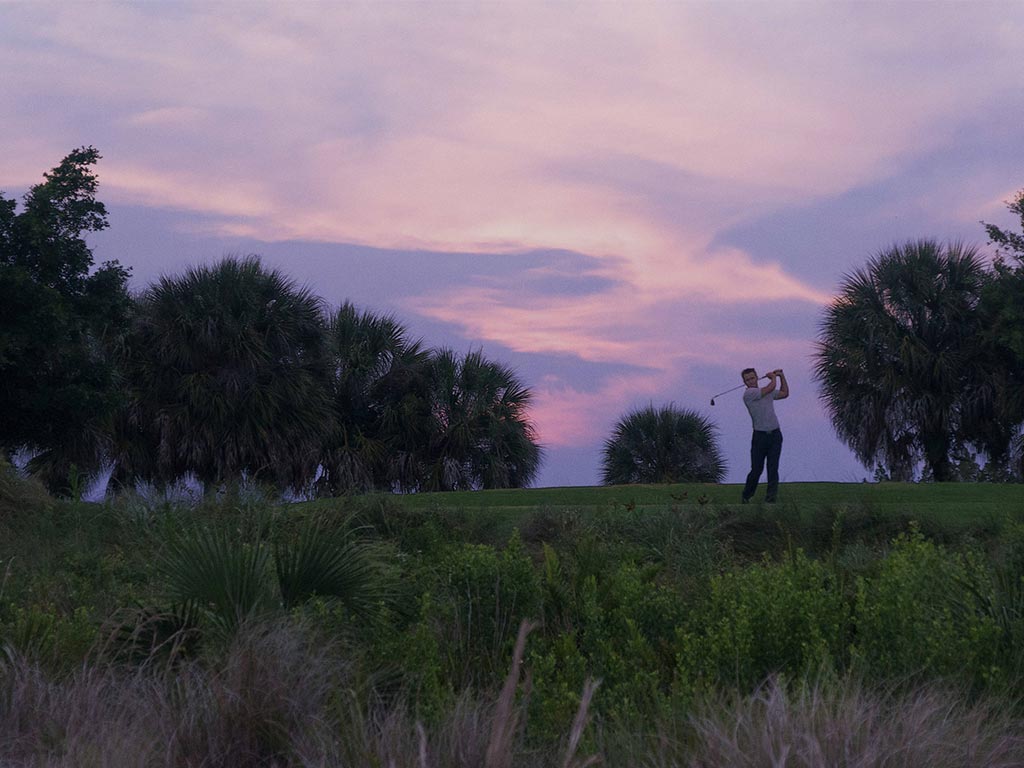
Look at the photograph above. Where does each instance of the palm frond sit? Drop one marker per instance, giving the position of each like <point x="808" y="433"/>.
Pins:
<point x="225" y="577"/>
<point x="325" y="562"/>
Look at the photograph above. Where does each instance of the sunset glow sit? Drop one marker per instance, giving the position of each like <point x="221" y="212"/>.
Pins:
<point x="627" y="202"/>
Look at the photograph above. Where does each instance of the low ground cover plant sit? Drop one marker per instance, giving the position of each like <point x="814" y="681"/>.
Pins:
<point x="665" y="631"/>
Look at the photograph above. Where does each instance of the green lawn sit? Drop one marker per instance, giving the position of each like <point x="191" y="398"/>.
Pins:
<point x="947" y="503"/>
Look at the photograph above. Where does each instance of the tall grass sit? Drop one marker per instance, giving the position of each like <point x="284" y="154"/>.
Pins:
<point x="20" y="495"/>
<point x="830" y="724"/>
<point x="281" y="696"/>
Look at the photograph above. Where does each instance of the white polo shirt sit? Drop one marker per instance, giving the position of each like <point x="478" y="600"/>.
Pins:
<point x="762" y="408"/>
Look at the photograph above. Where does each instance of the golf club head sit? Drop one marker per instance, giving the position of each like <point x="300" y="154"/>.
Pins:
<point x="712" y="401"/>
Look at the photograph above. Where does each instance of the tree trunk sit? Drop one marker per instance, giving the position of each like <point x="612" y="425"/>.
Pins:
<point x="936" y="455"/>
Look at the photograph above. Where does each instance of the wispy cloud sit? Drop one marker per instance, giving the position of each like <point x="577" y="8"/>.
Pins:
<point x="689" y="151"/>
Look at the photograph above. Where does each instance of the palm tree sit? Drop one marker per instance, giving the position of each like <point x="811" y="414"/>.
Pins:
<point x="481" y="437"/>
<point x="902" y="371"/>
<point x="381" y="403"/>
<point x="662" y="445"/>
<point x="229" y="374"/>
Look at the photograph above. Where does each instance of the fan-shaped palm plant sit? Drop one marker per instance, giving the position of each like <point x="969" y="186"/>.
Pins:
<point x="381" y="404"/>
<point x="899" y="360"/>
<point x="482" y="436"/>
<point x="327" y="561"/>
<point x="230" y="374"/>
<point x="663" y="445"/>
<point x="228" y="579"/>
<point x="211" y="569"/>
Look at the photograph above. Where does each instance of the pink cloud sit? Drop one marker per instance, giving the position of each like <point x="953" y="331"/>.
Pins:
<point x="565" y="416"/>
<point x="174" y="189"/>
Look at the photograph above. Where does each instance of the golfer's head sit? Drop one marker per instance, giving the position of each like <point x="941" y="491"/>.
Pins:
<point x="749" y="377"/>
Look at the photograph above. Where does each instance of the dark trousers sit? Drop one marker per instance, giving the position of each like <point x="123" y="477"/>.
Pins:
<point x="764" y="445"/>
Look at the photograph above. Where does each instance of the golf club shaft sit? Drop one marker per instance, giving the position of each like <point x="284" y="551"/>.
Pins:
<point x="726" y="392"/>
<point x="738" y="386"/>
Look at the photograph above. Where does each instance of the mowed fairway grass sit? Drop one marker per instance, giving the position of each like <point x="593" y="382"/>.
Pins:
<point x="947" y="505"/>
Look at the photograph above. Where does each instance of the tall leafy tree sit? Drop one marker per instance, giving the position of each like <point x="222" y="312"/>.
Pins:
<point x="481" y="435"/>
<point x="662" y="445"/>
<point x="1002" y="308"/>
<point x="230" y="373"/>
<point x="1008" y="242"/>
<point x="900" y="362"/>
<point x="60" y="321"/>
<point x="381" y="403"/>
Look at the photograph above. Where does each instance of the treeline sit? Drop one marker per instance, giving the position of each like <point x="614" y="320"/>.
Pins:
<point x="229" y="371"/>
<point x="233" y="370"/>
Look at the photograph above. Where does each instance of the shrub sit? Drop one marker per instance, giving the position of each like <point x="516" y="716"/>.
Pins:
<point x="480" y="595"/>
<point x="46" y="636"/>
<point x="20" y="496"/>
<point x="225" y="577"/>
<point x="329" y="562"/>
<point x="615" y="625"/>
<point x="662" y="445"/>
<point x="228" y="573"/>
<point x="1007" y="605"/>
<point x="925" y="612"/>
<point x="787" y="617"/>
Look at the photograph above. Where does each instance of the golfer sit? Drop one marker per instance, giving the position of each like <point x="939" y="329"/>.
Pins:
<point x="766" y="442"/>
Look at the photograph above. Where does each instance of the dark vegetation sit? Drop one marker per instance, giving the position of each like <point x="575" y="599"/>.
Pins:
<point x="662" y="445"/>
<point x="665" y="628"/>
<point x="911" y="368"/>
<point x="228" y="372"/>
<point x="59" y="320"/>
<point x="921" y="360"/>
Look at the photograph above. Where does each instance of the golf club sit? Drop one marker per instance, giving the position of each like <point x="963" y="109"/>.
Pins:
<point x="738" y="386"/>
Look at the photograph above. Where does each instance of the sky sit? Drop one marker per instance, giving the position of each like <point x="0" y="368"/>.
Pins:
<point x="626" y="202"/>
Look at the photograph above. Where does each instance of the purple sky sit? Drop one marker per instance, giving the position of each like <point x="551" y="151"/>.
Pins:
<point x="629" y="202"/>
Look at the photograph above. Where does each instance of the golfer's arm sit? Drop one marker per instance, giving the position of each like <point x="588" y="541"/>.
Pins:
<point x="783" y="388"/>
<point x="768" y="388"/>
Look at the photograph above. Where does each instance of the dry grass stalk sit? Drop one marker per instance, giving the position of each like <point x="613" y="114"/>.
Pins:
<point x="274" y="701"/>
<point x="579" y="724"/>
<point x="423" y="744"/>
<point x="499" y="750"/>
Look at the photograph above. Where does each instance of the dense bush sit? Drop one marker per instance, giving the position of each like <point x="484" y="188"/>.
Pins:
<point x="479" y="595"/>
<point x="616" y="626"/>
<point x="925" y="613"/>
<point x="20" y="496"/>
<point x="662" y="445"/>
<point x="788" y="617"/>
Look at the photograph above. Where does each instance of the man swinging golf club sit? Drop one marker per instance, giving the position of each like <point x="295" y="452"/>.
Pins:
<point x="766" y="442"/>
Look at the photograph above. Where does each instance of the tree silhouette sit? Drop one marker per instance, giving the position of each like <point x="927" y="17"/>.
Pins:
<point x="662" y="445"/>
<point x="903" y="373"/>
<point x="230" y="373"/>
<point x="481" y="436"/>
<point x="381" y="405"/>
<point x="61" y="322"/>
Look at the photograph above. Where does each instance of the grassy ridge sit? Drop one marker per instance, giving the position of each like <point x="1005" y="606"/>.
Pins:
<point x="951" y="504"/>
